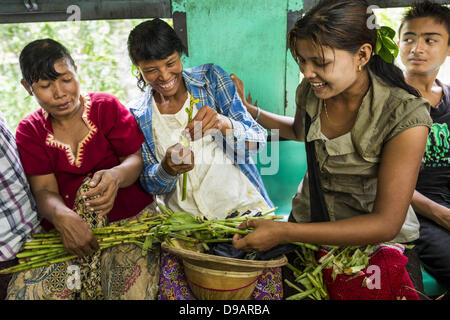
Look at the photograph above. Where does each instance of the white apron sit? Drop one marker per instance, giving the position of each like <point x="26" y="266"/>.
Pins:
<point x="215" y="186"/>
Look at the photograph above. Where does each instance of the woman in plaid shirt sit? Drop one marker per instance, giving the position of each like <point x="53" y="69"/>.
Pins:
<point x="222" y="178"/>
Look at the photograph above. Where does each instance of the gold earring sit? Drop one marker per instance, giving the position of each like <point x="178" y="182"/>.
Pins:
<point x="359" y="68"/>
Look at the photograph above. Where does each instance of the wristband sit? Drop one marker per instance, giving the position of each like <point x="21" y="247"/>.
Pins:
<point x="257" y="114"/>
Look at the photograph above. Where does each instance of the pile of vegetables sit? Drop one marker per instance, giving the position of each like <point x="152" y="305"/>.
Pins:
<point x="307" y="269"/>
<point x="145" y="231"/>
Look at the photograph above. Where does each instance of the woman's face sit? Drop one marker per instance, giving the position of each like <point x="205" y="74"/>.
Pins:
<point x="424" y="45"/>
<point x="331" y="72"/>
<point x="165" y="76"/>
<point x="59" y="97"/>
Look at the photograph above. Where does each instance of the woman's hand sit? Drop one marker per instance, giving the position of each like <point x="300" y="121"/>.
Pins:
<point x="208" y="121"/>
<point x="178" y="160"/>
<point x="76" y="235"/>
<point x="106" y="183"/>
<point x="104" y="186"/>
<point x="266" y="235"/>
<point x="241" y="91"/>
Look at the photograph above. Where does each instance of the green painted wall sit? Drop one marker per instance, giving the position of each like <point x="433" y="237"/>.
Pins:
<point x="247" y="38"/>
<point x="293" y="74"/>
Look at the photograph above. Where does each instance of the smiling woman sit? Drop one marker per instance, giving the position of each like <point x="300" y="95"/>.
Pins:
<point x="219" y="120"/>
<point x="364" y="129"/>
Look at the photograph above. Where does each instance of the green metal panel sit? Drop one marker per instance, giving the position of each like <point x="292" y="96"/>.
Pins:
<point x="432" y="288"/>
<point x="282" y="165"/>
<point x="244" y="37"/>
<point x="249" y="38"/>
<point x="293" y="74"/>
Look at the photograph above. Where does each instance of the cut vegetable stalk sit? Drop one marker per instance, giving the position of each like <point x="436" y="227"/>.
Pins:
<point x="186" y="143"/>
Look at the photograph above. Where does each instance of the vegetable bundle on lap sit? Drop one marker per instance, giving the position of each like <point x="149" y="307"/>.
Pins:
<point x="108" y="274"/>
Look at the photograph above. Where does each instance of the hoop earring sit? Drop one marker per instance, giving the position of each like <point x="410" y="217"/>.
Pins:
<point x="359" y="68"/>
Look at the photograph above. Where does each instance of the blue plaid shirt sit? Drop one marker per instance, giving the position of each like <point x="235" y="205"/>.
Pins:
<point x="214" y="88"/>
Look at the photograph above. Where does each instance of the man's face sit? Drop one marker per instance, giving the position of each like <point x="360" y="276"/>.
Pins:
<point x="424" y="45"/>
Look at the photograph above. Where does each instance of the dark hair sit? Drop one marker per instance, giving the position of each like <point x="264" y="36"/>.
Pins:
<point x="342" y="25"/>
<point x="152" y="40"/>
<point x="428" y="9"/>
<point x="37" y="60"/>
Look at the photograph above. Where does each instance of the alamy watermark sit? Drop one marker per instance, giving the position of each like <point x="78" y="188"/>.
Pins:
<point x="371" y="20"/>
<point x="374" y="280"/>
<point x="234" y="151"/>
<point x="75" y="13"/>
<point x="73" y="281"/>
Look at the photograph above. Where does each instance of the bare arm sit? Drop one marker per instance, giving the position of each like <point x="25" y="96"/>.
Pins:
<point x="397" y="177"/>
<point x="76" y="235"/>
<point x="270" y="120"/>
<point x="431" y="210"/>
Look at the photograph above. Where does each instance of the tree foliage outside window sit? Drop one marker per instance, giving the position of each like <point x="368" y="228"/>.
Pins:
<point x="99" y="49"/>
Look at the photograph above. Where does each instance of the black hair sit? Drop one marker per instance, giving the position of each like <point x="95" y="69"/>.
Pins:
<point x="342" y="25"/>
<point x="152" y="40"/>
<point x="38" y="58"/>
<point x="428" y="9"/>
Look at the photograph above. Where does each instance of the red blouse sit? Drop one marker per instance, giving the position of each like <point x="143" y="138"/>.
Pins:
<point x="113" y="133"/>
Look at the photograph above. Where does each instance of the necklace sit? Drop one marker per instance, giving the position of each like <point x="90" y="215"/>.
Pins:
<point x="326" y="110"/>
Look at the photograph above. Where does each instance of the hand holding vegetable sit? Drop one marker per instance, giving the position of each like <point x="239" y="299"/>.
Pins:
<point x="104" y="186"/>
<point x="241" y="91"/>
<point x="208" y="121"/>
<point x="76" y="236"/>
<point x="266" y="235"/>
<point x="178" y="159"/>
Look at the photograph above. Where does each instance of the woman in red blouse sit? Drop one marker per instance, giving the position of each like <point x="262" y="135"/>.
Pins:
<point x="74" y="136"/>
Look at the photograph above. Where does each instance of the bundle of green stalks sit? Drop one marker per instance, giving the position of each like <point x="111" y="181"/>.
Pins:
<point x="307" y="270"/>
<point x="145" y="231"/>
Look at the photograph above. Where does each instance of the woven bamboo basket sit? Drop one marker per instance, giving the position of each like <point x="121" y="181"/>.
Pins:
<point x="213" y="277"/>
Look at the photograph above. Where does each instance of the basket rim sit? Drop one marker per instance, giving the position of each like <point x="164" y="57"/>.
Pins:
<point x="213" y="272"/>
<point x="202" y="257"/>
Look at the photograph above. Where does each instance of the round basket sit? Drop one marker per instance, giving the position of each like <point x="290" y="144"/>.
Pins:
<point x="213" y="277"/>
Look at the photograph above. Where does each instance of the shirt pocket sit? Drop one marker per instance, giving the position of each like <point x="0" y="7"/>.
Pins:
<point x="340" y="157"/>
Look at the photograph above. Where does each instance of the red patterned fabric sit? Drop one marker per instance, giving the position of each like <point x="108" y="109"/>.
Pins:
<point x="113" y="133"/>
<point x="394" y="283"/>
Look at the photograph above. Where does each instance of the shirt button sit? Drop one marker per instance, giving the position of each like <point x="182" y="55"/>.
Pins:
<point x="67" y="196"/>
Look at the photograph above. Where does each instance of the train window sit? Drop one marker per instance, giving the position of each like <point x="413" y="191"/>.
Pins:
<point x="98" y="47"/>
